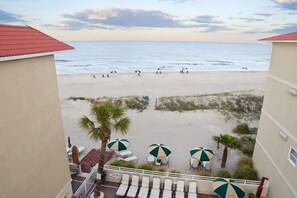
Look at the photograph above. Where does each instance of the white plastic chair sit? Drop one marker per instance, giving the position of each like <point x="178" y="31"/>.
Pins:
<point x="143" y="192"/>
<point x="129" y="159"/>
<point x="207" y="166"/>
<point x="192" y="190"/>
<point x="194" y="163"/>
<point x="180" y="189"/>
<point x="134" y="186"/>
<point x="165" y="160"/>
<point x="124" y="185"/>
<point x="167" y="192"/>
<point x="155" y="192"/>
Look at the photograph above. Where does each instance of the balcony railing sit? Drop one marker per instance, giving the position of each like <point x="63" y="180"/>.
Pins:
<point x="114" y="173"/>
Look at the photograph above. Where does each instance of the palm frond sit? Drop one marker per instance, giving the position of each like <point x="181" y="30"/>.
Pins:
<point x="117" y="112"/>
<point x="122" y="125"/>
<point x="86" y="123"/>
<point x="96" y="134"/>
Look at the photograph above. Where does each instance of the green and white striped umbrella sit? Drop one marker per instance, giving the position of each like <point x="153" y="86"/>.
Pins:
<point x="226" y="188"/>
<point x="202" y="153"/>
<point x="159" y="150"/>
<point x="118" y="144"/>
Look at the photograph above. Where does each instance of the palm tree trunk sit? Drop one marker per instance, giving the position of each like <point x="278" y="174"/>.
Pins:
<point x="100" y="167"/>
<point x="225" y="153"/>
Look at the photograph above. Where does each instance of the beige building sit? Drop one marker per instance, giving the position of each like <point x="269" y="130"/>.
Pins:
<point x="275" y="154"/>
<point x="33" y="162"/>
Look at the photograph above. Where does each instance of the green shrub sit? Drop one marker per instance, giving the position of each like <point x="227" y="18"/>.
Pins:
<point x="245" y="172"/>
<point x="175" y="171"/>
<point x="245" y="161"/>
<point x="248" y="145"/>
<point x="130" y="165"/>
<point x="123" y="164"/>
<point x="242" y="129"/>
<point x="118" y="163"/>
<point x="224" y="174"/>
<point x="245" y="169"/>
<point x="146" y="166"/>
<point x="204" y="173"/>
<point x="248" y="149"/>
<point x="161" y="169"/>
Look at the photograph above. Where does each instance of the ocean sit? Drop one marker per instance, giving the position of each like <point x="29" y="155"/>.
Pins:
<point x="128" y="56"/>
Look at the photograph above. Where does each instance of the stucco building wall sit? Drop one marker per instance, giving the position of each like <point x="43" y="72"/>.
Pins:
<point x="32" y="158"/>
<point x="278" y="124"/>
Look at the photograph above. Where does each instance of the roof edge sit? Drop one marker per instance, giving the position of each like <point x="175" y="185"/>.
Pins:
<point x="51" y="37"/>
<point x="24" y="56"/>
<point x="288" y="37"/>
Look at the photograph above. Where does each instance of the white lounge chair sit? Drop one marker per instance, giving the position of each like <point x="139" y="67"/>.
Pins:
<point x="167" y="192"/>
<point x="207" y="166"/>
<point x="124" y="185"/>
<point x="192" y="190"/>
<point x="180" y="189"/>
<point x="134" y="186"/>
<point x="194" y="163"/>
<point x="165" y="160"/>
<point x="124" y="154"/>
<point x="129" y="159"/>
<point x="155" y="192"/>
<point x="143" y="192"/>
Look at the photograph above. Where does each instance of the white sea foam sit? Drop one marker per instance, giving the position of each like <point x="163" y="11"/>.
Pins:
<point x="105" y="56"/>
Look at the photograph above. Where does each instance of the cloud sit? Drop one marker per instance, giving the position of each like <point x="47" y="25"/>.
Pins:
<point x="287" y="4"/>
<point x="250" y="19"/>
<point x="120" y="18"/>
<point x="265" y="14"/>
<point x="215" y="28"/>
<point x="7" y="17"/>
<point x="206" y="19"/>
<point x="130" y="18"/>
<point x="210" y="24"/>
<point x="287" y="28"/>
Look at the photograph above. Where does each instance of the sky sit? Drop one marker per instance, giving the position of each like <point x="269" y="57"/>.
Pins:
<point x="154" y="20"/>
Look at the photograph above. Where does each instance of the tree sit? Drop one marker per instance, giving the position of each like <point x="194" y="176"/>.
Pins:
<point x="229" y="142"/>
<point x="108" y="117"/>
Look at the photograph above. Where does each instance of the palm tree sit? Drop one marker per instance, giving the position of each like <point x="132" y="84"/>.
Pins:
<point x="229" y="142"/>
<point x="108" y="117"/>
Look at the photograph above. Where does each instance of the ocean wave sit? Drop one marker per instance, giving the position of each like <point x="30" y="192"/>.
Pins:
<point x="63" y="60"/>
<point x="194" y="64"/>
<point x="87" y="65"/>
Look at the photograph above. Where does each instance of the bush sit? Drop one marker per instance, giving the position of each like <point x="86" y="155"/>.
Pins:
<point x="245" y="161"/>
<point x="204" y="173"/>
<point x="118" y="163"/>
<point x="123" y="164"/>
<point x="224" y="174"/>
<point x="161" y="169"/>
<point x="245" y="169"/>
<point x="248" y="145"/>
<point x="242" y="129"/>
<point x="245" y="172"/>
<point x="175" y="171"/>
<point x="146" y="166"/>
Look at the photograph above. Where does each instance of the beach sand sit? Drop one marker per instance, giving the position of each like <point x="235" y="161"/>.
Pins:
<point x="180" y="131"/>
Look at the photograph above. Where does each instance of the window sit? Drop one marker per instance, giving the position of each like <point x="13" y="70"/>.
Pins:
<point x="293" y="156"/>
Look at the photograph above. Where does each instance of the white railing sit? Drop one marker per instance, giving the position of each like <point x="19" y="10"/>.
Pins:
<point x="204" y="183"/>
<point x="174" y="175"/>
<point x="87" y="184"/>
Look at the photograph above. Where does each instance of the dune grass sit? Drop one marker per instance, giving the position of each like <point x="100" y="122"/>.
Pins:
<point x="239" y="106"/>
<point x="128" y="102"/>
